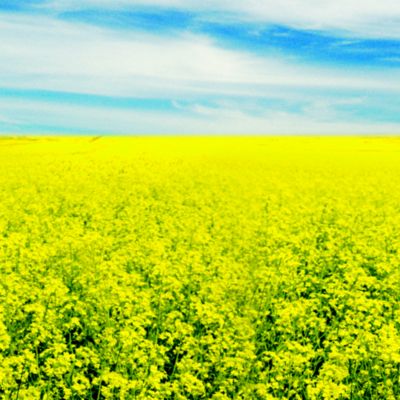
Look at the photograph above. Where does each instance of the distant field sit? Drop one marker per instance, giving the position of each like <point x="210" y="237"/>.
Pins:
<point x="199" y="268"/>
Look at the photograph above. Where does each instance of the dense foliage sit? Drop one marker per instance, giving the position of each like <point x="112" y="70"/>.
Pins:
<point x="200" y="268"/>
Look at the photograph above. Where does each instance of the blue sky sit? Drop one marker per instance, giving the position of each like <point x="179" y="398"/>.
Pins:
<point x="191" y="67"/>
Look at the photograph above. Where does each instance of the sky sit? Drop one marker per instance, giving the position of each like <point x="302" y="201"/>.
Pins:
<point x="200" y="67"/>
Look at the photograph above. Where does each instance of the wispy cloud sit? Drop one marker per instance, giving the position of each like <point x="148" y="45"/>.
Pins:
<point x="347" y="17"/>
<point x="50" y="54"/>
<point x="227" y="66"/>
<point x="44" y="117"/>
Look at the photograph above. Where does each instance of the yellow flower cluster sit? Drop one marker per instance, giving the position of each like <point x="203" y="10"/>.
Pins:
<point x="200" y="268"/>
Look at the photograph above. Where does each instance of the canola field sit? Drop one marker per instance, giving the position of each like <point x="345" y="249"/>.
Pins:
<point x="199" y="268"/>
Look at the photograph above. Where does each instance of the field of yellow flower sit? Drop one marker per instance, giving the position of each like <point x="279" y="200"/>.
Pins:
<point x="199" y="268"/>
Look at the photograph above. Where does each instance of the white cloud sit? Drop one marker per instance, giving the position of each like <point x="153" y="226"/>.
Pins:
<point x="6" y="120"/>
<point x="44" y="53"/>
<point x="201" y="120"/>
<point x="369" y="18"/>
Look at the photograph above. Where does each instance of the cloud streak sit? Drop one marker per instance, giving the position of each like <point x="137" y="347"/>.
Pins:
<point x="346" y="17"/>
<point x="35" y="117"/>
<point x="97" y="75"/>
<point x="50" y="54"/>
